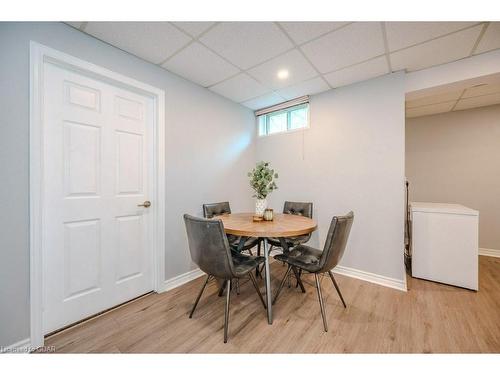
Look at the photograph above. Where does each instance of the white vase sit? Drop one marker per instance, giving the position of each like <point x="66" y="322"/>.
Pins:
<point x="260" y="206"/>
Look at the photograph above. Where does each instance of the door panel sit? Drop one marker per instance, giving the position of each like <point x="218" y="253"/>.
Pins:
<point x="129" y="247"/>
<point x="129" y="163"/>
<point x="82" y="258"/>
<point x="86" y="97"/>
<point x="129" y="108"/>
<point x="96" y="251"/>
<point x="82" y="159"/>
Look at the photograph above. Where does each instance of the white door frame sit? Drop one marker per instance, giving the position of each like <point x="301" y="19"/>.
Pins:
<point x="39" y="54"/>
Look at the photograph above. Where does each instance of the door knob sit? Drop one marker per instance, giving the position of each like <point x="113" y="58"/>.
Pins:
<point x="145" y="204"/>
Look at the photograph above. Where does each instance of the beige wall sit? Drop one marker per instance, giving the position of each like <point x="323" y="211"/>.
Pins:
<point x="455" y="157"/>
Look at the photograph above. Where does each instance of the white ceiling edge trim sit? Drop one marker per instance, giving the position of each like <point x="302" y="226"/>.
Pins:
<point x="284" y="105"/>
<point x="453" y="72"/>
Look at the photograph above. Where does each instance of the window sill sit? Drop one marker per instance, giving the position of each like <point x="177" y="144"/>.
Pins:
<point x="283" y="133"/>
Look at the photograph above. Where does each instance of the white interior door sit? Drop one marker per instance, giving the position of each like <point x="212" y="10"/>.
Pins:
<point x="96" y="240"/>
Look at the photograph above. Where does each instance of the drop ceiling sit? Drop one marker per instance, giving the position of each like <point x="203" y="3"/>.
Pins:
<point x="240" y="60"/>
<point x="479" y="92"/>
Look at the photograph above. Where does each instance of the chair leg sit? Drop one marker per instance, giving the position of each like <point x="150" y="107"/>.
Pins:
<point x="281" y="284"/>
<point x="226" y="310"/>
<point x="262" y="273"/>
<point x="299" y="281"/>
<point x="254" y="282"/>
<point x="320" y="297"/>
<point x="199" y="296"/>
<point x="237" y="282"/>
<point x="300" y="274"/>
<point x="257" y="271"/>
<point x="337" y="288"/>
<point x="221" y="289"/>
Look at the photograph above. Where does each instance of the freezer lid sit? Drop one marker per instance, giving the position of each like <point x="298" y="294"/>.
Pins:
<point x="446" y="208"/>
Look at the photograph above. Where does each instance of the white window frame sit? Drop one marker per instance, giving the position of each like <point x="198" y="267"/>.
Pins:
<point x="288" y="111"/>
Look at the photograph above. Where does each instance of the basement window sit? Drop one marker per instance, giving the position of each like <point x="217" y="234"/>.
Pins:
<point x="283" y="119"/>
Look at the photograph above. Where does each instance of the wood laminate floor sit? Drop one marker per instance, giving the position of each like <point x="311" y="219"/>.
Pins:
<point x="429" y="318"/>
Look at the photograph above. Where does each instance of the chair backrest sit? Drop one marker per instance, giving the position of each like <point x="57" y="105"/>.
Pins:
<point x="209" y="247"/>
<point x="336" y="241"/>
<point x="212" y="209"/>
<point x="299" y="208"/>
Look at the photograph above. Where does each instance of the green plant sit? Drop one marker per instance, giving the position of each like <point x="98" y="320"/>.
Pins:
<point x="262" y="180"/>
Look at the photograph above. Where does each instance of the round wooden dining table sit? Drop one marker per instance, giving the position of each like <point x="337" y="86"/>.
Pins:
<point x="282" y="226"/>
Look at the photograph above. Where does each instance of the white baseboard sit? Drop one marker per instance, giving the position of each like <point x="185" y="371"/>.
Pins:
<point x="23" y="346"/>
<point x="371" y="277"/>
<point x="489" y="252"/>
<point x="176" y="281"/>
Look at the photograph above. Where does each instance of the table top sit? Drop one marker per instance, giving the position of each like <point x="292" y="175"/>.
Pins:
<point x="283" y="225"/>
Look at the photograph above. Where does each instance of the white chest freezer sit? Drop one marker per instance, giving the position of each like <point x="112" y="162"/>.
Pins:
<point x="445" y="243"/>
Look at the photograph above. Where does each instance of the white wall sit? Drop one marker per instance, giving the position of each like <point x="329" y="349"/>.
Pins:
<point x="351" y="158"/>
<point x="455" y="158"/>
<point x="209" y="149"/>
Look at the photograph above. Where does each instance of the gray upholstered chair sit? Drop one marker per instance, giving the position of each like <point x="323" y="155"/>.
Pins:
<point x="316" y="261"/>
<point x="210" y="250"/>
<point x="294" y="208"/>
<point x="213" y="209"/>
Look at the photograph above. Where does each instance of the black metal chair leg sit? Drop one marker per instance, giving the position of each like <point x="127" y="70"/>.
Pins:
<point x="254" y="282"/>
<point x="257" y="270"/>
<point x="199" y="296"/>
<point x="221" y="289"/>
<point x="281" y="284"/>
<point x="226" y="310"/>
<point x="237" y="282"/>
<point x="337" y="288"/>
<point x="299" y="281"/>
<point x="320" y="297"/>
<point x="300" y="274"/>
<point x="262" y="274"/>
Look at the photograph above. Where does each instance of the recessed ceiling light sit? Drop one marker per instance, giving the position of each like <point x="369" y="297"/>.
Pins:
<point x="283" y="74"/>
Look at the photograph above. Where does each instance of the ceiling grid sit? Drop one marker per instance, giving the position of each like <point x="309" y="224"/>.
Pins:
<point x="239" y="60"/>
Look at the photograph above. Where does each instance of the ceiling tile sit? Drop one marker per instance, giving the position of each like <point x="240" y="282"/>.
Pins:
<point x="434" y="99"/>
<point x="481" y="90"/>
<point x="194" y="28"/>
<point x="430" y="109"/>
<point x="264" y="101"/>
<point x="490" y="39"/>
<point x="302" y="32"/>
<point x="240" y="88"/>
<point x="405" y="34"/>
<point x="478" y="101"/>
<point x="200" y="65"/>
<point x="360" y="72"/>
<point x="438" y="51"/>
<point x="152" y="41"/>
<point x="246" y="44"/>
<point x="350" y="45"/>
<point x="310" y="87"/>
<point x="298" y="67"/>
